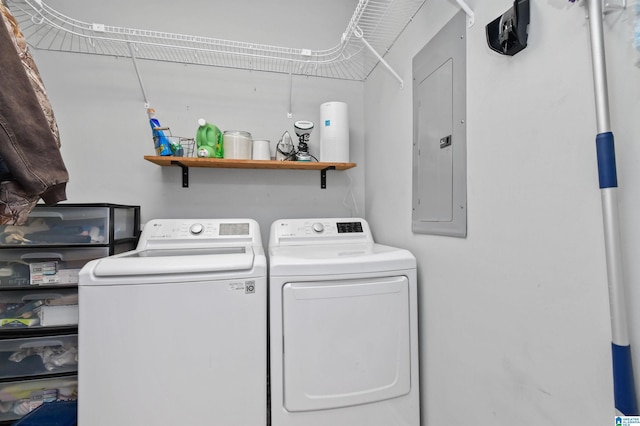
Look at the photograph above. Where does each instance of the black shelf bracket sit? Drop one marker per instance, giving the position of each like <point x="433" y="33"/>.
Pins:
<point x="323" y="176"/>
<point x="185" y="173"/>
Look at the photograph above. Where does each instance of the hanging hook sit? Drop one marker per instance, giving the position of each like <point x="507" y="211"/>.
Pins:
<point x="37" y="19"/>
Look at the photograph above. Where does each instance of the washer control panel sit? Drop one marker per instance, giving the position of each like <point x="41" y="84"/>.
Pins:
<point x="176" y="231"/>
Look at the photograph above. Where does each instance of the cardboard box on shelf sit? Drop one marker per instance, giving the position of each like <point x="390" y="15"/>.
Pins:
<point x="58" y="315"/>
<point x="19" y="322"/>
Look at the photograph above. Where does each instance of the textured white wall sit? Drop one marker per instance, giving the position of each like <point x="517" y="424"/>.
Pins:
<point x="514" y="318"/>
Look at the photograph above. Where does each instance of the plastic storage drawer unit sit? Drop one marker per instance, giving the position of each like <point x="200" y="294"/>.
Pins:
<point x="24" y="267"/>
<point x="75" y="224"/>
<point x="20" y="398"/>
<point x="38" y="356"/>
<point x="38" y="308"/>
<point x="39" y="311"/>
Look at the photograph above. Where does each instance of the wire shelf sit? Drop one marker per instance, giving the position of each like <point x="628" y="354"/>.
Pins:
<point x="379" y="22"/>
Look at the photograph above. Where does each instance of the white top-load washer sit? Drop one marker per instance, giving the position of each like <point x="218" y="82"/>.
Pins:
<point x="343" y="326"/>
<point x="174" y="332"/>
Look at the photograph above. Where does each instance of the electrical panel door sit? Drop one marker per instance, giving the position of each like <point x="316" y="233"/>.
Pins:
<point x="439" y="133"/>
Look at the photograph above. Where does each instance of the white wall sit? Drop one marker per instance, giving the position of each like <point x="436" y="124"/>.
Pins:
<point x="515" y="317"/>
<point x="105" y="131"/>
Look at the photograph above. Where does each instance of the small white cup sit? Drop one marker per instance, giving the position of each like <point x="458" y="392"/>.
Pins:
<point x="261" y="150"/>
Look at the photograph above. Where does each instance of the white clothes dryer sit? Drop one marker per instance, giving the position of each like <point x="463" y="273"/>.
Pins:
<point x="174" y="332"/>
<point x="343" y="326"/>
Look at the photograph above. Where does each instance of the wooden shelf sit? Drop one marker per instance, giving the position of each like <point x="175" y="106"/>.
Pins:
<point x="226" y="163"/>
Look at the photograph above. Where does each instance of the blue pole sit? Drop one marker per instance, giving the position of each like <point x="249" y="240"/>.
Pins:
<point x="623" y="380"/>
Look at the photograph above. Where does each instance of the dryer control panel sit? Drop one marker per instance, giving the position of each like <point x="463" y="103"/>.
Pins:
<point x="319" y="231"/>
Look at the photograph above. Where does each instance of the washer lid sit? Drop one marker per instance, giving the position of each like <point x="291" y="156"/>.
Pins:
<point x="338" y="259"/>
<point x="176" y="261"/>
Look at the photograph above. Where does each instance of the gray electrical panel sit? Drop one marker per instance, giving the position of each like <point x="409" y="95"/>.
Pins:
<point x="439" y="133"/>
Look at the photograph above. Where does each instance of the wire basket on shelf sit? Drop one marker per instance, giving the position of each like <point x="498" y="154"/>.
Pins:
<point x="187" y="145"/>
<point x="180" y="146"/>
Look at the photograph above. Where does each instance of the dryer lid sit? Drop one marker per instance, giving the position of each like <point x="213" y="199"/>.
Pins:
<point x="338" y="259"/>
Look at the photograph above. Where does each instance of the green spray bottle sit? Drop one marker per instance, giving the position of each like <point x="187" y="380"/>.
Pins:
<point x="209" y="140"/>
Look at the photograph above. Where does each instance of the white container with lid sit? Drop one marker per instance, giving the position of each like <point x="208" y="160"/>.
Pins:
<point x="237" y="144"/>
<point x="261" y="149"/>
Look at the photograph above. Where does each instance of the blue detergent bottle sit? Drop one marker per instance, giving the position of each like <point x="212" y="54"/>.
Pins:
<point x="209" y="140"/>
<point x="160" y="140"/>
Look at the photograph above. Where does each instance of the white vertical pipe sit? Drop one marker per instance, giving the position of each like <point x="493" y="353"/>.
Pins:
<point x="290" y="110"/>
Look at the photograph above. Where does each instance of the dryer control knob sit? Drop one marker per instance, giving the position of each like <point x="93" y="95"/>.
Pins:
<point x="196" y="228"/>
<point x="317" y="227"/>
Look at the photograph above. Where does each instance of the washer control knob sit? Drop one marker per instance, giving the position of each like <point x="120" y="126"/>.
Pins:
<point x="196" y="229"/>
<point x="317" y="227"/>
